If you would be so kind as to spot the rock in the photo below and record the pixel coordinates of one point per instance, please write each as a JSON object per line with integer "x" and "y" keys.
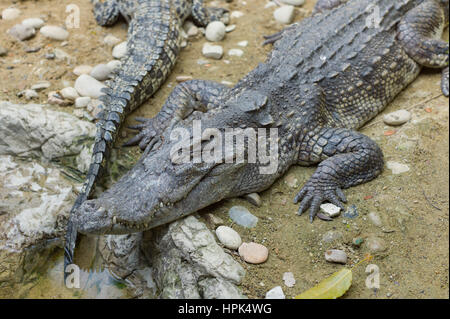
{"x": 95, "y": 107}
{"x": 236, "y": 52}
{"x": 215, "y": 31}
{"x": 88, "y": 86}
{"x": 29, "y": 94}
{"x": 270, "y": 4}
{"x": 397, "y": 168}
{"x": 289, "y": 279}
{"x": 397, "y": 118}
{"x": 213, "y": 220}
{"x": 375, "y": 219}
{"x": 212, "y": 51}
{"x": 330, "y": 209}
{"x": 41, "y": 86}
{"x": 336, "y": 256}
{"x": 188, "y": 263}
{"x": 78, "y": 113}
{"x": 243, "y": 43}
{"x": 191, "y": 29}
{"x": 50, "y": 56}
{"x": 34, "y": 23}
{"x": 375, "y": 244}
{"x": 284, "y": 14}
{"x": 101, "y": 72}
{"x": 32, "y": 49}
{"x": 3, "y": 51}
{"x": 183, "y": 78}
{"x": 296, "y": 3}
{"x": 357, "y": 241}
{"x": 275, "y": 293}
{"x": 241, "y": 216}
{"x": 230, "y": 28}
{"x": 56, "y": 99}
{"x": 69, "y": 93}
{"x": 111, "y": 40}
{"x": 82, "y": 69}
{"x": 62, "y": 55}
{"x": 236, "y": 14}
{"x": 35, "y": 130}
{"x": 254, "y": 199}
{"x": 351, "y": 212}
{"x": 10, "y": 14}
{"x": 114, "y": 65}
{"x": 228, "y": 237}
{"x": 253, "y": 253}
{"x": 21, "y": 32}
{"x": 120, "y": 50}
{"x": 331, "y": 236}
{"x": 82, "y": 101}
{"x": 291, "y": 181}
{"x": 54, "y": 32}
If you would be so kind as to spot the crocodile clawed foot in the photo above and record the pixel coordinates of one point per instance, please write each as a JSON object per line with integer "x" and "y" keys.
{"x": 148, "y": 135}
{"x": 314, "y": 193}
{"x": 219, "y": 14}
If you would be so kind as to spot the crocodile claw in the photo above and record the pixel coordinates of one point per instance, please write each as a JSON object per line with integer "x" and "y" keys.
{"x": 148, "y": 135}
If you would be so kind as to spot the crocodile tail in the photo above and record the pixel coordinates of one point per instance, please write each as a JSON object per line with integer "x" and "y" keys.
{"x": 154, "y": 40}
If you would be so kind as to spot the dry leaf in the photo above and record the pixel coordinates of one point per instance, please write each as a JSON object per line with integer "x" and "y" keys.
{"x": 331, "y": 288}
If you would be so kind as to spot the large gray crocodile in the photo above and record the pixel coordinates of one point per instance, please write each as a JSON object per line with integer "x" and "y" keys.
{"x": 324, "y": 79}
{"x": 154, "y": 38}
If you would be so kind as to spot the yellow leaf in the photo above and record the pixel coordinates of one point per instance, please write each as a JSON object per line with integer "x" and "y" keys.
{"x": 331, "y": 288}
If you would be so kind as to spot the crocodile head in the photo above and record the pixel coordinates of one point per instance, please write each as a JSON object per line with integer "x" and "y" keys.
{"x": 170, "y": 182}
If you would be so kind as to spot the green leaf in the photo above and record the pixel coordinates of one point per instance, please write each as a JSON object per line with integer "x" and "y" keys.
{"x": 331, "y": 288}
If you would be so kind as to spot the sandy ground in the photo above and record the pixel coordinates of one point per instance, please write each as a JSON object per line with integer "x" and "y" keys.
{"x": 413, "y": 206}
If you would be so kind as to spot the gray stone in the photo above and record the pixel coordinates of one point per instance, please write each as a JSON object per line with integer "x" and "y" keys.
{"x": 375, "y": 219}
{"x": 54, "y": 32}
{"x": 29, "y": 94}
{"x": 289, "y": 280}
{"x": 284, "y": 14}
{"x": 69, "y": 93}
{"x": 235, "y": 52}
{"x": 21, "y": 32}
{"x": 330, "y": 209}
{"x": 10, "y": 13}
{"x": 230, "y": 28}
{"x": 120, "y": 50}
{"x": 331, "y": 236}
{"x": 101, "y": 72}
{"x": 397, "y": 168}
{"x": 375, "y": 244}
{"x": 254, "y": 199}
{"x": 215, "y": 31}
{"x": 228, "y": 237}
{"x": 41, "y": 86}
{"x": 88, "y": 86}
{"x": 336, "y": 256}
{"x": 111, "y": 40}
{"x": 114, "y": 65}
{"x": 35, "y": 23}
{"x": 82, "y": 69}
{"x": 275, "y": 293}
{"x": 397, "y": 118}
{"x": 241, "y": 216}
{"x": 82, "y": 101}
{"x": 212, "y": 51}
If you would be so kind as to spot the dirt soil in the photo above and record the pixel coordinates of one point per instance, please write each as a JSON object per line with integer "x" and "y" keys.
{"x": 413, "y": 206}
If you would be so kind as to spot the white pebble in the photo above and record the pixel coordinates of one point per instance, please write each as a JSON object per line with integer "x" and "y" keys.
{"x": 82, "y": 101}
{"x": 10, "y": 14}
{"x": 235, "y": 52}
{"x": 82, "y": 69}
{"x": 111, "y": 40}
{"x": 228, "y": 237}
{"x": 100, "y": 72}
{"x": 35, "y": 23}
{"x": 330, "y": 209}
{"x": 397, "y": 168}
{"x": 54, "y": 32}
{"x": 275, "y": 293}
{"x": 21, "y": 32}
{"x": 270, "y": 4}
{"x": 120, "y": 50}
{"x": 230, "y": 28}
{"x": 242, "y": 43}
{"x": 289, "y": 279}
{"x": 212, "y": 51}
{"x": 86, "y": 85}
{"x": 336, "y": 256}
{"x": 30, "y": 94}
{"x": 284, "y": 14}
{"x": 215, "y": 31}
{"x": 114, "y": 65}
{"x": 236, "y": 14}
{"x": 375, "y": 219}
{"x": 69, "y": 93}
{"x": 397, "y": 118}
{"x": 297, "y": 3}
{"x": 41, "y": 86}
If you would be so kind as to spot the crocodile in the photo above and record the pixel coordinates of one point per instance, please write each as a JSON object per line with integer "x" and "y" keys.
{"x": 324, "y": 79}
{"x": 154, "y": 39}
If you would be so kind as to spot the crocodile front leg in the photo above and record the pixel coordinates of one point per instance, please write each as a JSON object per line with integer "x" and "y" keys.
{"x": 348, "y": 158}
{"x": 106, "y": 12}
{"x": 187, "y": 97}
{"x": 420, "y": 34}
{"x": 202, "y": 16}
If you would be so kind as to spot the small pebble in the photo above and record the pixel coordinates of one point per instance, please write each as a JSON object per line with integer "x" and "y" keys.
{"x": 213, "y": 220}
{"x": 375, "y": 244}
{"x": 230, "y": 28}
{"x": 296, "y": 3}
{"x": 243, "y": 43}
{"x": 190, "y": 29}
{"x": 10, "y": 14}
{"x": 120, "y": 50}
{"x": 54, "y": 32}
{"x": 29, "y": 94}
{"x": 254, "y": 199}
{"x": 351, "y": 212}
{"x": 235, "y": 52}
{"x": 69, "y": 93}
{"x": 183, "y": 78}
{"x": 284, "y": 14}
{"x": 32, "y": 49}
{"x": 215, "y": 31}
{"x": 88, "y": 86}
{"x": 114, "y": 65}
{"x": 253, "y": 253}
{"x": 202, "y": 62}
{"x": 397, "y": 168}
{"x": 228, "y": 237}
{"x": 82, "y": 101}
{"x": 375, "y": 219}
{"x": 270, "y": 4}
{"x": 289, "y": 279}
{"x": 100, "y": 72}
{"x": 227, "y": 83}
{"x": 82, "y": 69}
{"x": 35, "y": 23}
{"x": 291, "y": 181}
{"x": 336, "y": 256}
{"x": 56, "y": 99}
{"x": 41, "y": 86}
{"x": 330, "y": 209}
{"x": 275, "y": 293}
{"x": 397, "y": 118}
{"x": 49, "y": 56}
{"x": 357, "y": 241}
{"x": 95, "y": 107}
{"x": 241, "y": 216}
{"x": 236, "y": 14}
{"x": 212, "y": 51}
{"x": 78, "y": 113}
{"x": 21, "y": 32}
{"x": 111, "y": 40}
{"x": 331, "y": 236}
